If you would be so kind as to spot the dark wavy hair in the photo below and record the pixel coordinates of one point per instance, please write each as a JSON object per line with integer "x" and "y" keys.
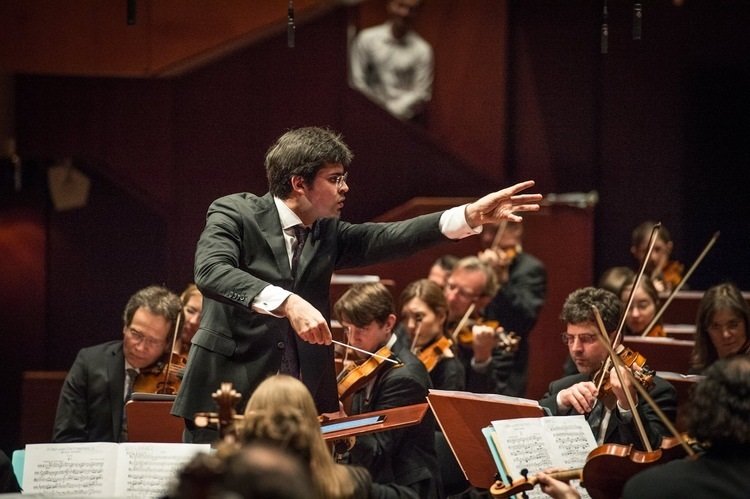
{"x": 720, "y": 410}
{"x": 303, "y": 152}
{"x": 577, "y": 307}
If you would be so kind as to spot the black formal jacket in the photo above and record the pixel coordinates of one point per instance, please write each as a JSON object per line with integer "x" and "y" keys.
{"x": 721, "y": 472}
{"x": 516, "y": 307}
{"x": 92, "y": 397}
{"x": 240, "y": 252}
{"x": 618, "y": 432}
{"x": 405, "y": 457}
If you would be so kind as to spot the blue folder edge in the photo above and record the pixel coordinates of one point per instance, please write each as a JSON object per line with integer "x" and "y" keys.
{"x": 487, "y": 432}
{"x": 17, "y": 460}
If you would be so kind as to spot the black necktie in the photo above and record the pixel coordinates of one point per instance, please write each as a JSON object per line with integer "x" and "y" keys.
{"x": 132, "y": 375}
{"x": 290, "y": 356}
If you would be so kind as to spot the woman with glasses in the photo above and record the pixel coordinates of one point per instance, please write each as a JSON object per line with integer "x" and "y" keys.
{"x": 721, "y": 326}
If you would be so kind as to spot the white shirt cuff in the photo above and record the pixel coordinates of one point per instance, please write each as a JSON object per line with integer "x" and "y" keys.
{"x": 453, "y": 223}
{"x": 269, "y": 299}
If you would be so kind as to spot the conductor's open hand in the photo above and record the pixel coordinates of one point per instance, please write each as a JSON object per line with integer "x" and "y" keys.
{"x": 501, "y": 205}
{"x": 306, "y": 320}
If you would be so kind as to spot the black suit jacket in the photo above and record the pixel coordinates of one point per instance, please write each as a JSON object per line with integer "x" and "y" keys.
{"x": 404, "y": 457}
{"x": 717, "y": 473}
{"x": 516, "y": 307}
{"x": 618, "y": 432}
{"x": 239, "y": 253}
{"x": 92, "y": 397}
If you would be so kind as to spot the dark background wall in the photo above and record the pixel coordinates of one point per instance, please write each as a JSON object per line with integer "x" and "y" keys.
{"x": 659, "y": 127}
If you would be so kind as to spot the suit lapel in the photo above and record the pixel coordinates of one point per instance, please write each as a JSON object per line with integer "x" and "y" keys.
{"x": 116, "y": 382}
{"x": 268, "y": 221}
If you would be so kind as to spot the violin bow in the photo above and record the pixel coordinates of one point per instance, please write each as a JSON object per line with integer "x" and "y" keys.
{"x": 679, "y": 286}
{"x": 371, "y": 354}
{"x": 462, "y": 322}
{"x": 499, "y": 234}
{"x": 631, "y": 298}
{"x": 416, "y": 336}
{"x": 171, "y": 350}
{"x": 617, "y": 363}
{"x": 644, "y": 393}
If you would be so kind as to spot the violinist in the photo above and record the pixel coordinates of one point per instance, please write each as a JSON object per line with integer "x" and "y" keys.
{"x": 423, "y": 315}
{"x": 719, "y": 419}
{"x": 646, "y": 303}
{"x": 578, "y": 393}
{"x": 470, "y": 286}
{"x": 663, "y": 271}
{"x": 721, "y": 326}
{"x": 93, "y": 396}
{"x": 522, "y": 280}
{"x": 404, "y": 459}
{"x": 192, "y": 307}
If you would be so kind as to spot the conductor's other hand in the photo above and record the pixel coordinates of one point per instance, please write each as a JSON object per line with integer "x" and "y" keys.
{"x": 306, "y": 320}
{"x": 501, "y": 205}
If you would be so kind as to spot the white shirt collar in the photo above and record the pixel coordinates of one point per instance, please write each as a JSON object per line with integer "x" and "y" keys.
{"x": 287, "y": 217}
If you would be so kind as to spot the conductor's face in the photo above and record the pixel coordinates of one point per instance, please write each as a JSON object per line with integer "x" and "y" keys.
{"x": 145, "y": 339}
{"x": 327, "y": 192}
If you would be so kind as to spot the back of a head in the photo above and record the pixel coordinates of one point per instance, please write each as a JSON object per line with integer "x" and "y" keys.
{"x": 265, "y": 471}
{"x": 613, "y": 278}
{"x": 720, "y": 410}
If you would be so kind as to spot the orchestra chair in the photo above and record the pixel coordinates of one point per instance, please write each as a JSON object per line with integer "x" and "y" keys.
{"x": 151, "y": 421}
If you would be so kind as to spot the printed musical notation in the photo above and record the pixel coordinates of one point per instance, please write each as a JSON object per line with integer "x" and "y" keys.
{"x": 137, "y": 470}
{"x": 539, "y": 444}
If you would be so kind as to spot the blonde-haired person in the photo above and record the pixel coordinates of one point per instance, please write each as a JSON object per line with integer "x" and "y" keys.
{"x": 282, "y": 396}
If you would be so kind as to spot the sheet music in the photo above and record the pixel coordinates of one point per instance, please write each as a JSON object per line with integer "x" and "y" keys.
{"x": 148, "y": 469}
{"x": 137, "y": 470}
{"x": 539, "y": 444}
{"x": 70, "y": 469}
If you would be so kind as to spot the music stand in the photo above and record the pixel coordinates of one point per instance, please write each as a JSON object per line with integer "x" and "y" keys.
{"x": 149, "y": 419}
{"x": 463, "y": 415}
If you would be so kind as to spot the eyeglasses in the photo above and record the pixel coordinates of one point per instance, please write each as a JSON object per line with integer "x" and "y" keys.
{"x": 585, "y": 338}
{"x": 338, "y": 180}
{"x": 468, "y": 295}
{"x": 139, "y": 337}
{"x": 731, "y": 326}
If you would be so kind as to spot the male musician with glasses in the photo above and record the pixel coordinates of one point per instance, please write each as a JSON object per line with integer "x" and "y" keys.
{"x": 266, "y": 304}
{"x": 92, "y": 401}
{"x": 577, "y": 394}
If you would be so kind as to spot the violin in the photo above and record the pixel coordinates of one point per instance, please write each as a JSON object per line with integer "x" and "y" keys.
{"x": 609, "y": 466}
{"x": 431, "y": 354}
{"x": 605, "y": 472}
{"x": 165, "y": 376}
{"x": 506, "y": 341}
{"x": 501, "y": 491}
{"x": 356, "y": 375}
{"x": 633, "y": 361}
{"x": 672, "y": 274}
